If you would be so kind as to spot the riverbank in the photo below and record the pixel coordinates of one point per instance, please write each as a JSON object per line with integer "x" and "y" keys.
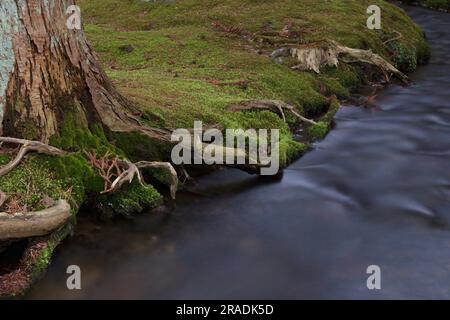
{"x": 374, "y": 191}
{"x": 192, "y": 60}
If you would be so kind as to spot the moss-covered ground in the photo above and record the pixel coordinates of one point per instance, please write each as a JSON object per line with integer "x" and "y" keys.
{"x": 181, "y": 61}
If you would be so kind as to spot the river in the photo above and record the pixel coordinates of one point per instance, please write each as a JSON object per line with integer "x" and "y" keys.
{"x": 376, "y": 191}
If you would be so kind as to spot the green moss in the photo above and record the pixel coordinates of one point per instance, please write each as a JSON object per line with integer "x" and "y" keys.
{"x": 79, "y": 174}
{"x": 319, "y": 130}
{"x": 404, "y": 57}
{"x": 75, "y": 134}
{"x": 138, "y": 147}
{"x": 33, "y": 181}
{"x": 28, "y": 130}
{"x": 166, "y": 57}
{"x": 178, "y": 57}
{"x": 37, "y": 258}
{"x": 133, "y": 198}
{"x": 290, "y": 150}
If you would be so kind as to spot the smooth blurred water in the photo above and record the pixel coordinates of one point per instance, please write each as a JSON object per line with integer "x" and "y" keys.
{"x": 375, "y": 191}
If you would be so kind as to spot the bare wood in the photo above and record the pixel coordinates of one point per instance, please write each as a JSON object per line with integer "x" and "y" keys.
{"x": 127, "y": 175}
{"x": 33, "y": 224}
{"x": 168, "y": 168}
{"x": 313, "y": 57}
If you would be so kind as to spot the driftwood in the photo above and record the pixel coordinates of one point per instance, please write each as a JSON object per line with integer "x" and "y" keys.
{"x": 313, "y": 57}
{"x": 32, "y": 224}
{"x": 275, "y": 106}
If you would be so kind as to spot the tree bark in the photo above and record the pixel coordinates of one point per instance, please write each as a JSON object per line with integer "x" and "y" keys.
{"x": 47, "y": 69}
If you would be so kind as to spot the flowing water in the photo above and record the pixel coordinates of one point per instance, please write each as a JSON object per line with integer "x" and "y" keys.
{"x": 376, "y": 191}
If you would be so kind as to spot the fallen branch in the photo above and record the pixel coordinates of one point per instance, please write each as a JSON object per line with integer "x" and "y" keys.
{"x": 275, "y": 106}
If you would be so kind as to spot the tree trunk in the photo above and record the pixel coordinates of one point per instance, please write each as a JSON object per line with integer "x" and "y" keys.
{"x": 47, "y": 68}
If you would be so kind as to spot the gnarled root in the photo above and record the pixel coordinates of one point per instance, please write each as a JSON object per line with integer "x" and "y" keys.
{"x": 275, "y": 106}
{"x": 127, "y": 175}
{"x": 168, "y": 168}
{"x": 27, "y": 146}
{"x": 313, "y": 57}
{"x": 33, "y": 224}
{"x": 30, "y": 224}
{"x": 129, "y": 171}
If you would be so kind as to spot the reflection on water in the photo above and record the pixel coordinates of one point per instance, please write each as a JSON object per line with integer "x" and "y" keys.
{"x": 375, "y": 191}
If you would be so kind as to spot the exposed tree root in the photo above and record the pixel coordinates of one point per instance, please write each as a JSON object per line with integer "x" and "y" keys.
{"x": 314, "y": 57}
{"x": 33, "y": 224}
{"x": 27, "y": 146}
{"x": 130, "y": 171}
{"x": 276, "y": 106}
{"x": 168, "y": 168}
{"x": 30, "y": 224}
{"x": 116, "y": 172}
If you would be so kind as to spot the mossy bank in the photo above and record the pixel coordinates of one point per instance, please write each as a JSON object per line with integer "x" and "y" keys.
{"x": 182, "y": 61}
